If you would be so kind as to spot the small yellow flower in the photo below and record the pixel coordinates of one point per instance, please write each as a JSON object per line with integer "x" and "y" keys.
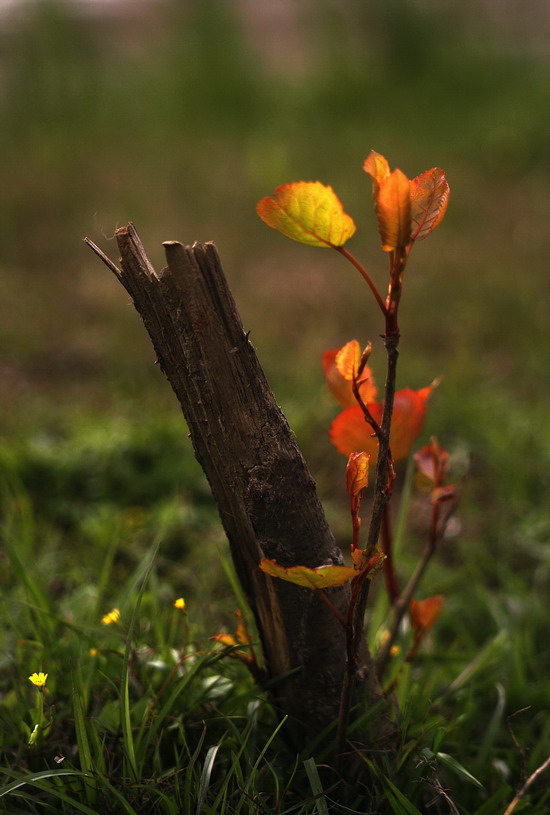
{"x": 180, "y": 603}
{"x": 93, "y": 652}
{"x": 38, "y": 679}
{"x": 112, "y": 617}
{"x": 382, "y": 640}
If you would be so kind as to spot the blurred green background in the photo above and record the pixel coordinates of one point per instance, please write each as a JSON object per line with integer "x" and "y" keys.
{"x": 179, "y": 116}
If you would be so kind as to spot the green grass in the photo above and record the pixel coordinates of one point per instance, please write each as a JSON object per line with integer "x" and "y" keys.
{"x": 158, "y": 719}
{"x": 181, "y": 127}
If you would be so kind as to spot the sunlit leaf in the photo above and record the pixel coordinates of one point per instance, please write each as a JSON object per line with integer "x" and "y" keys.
{"x": 370, "y": 563}
{"x": 229, "y": 641}
{"x": 341, "y": 388}
{"x": 350, "y": 432}
{"x": 393, "y": 210}
{"x": 357, "y": 473}
{"x": 242, "y": 631}
{"x": 308, "y": 212}
{"x": 225, "y": 639}
{"x": 320, "y": 578}
{"x": 429, "y": 200}
{"x": 376, "y": 166}
{"x": 424, "y": 613}
{"x": 347, "y": 360}
{"x": 392, "y": 202}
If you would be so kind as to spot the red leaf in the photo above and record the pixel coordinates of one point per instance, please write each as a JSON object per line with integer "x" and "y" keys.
{"x": 350, "y": 432}
{"x": 429, "y": 200}
{"x": 432, "y": 461}
{"x": 424, "y": 613}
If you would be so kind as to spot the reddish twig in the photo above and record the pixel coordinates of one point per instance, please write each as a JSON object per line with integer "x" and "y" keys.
{"x": 392, "y": 584}
{"x": 365, "y": 275}
{"x": 532, "y": 778}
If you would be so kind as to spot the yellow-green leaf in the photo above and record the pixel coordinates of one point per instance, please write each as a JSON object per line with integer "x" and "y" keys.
{"x": 320, "y": 578}
{"x": 308, "y": 212}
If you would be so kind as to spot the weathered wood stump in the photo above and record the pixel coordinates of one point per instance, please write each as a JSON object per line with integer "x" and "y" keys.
{"x": 265, "y": 495}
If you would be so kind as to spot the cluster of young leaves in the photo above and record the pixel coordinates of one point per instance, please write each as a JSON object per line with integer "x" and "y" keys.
{"x": 349, "y": 431}
{"x": 406, "y": 211}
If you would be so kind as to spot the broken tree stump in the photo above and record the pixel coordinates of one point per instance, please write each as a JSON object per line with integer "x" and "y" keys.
{"x": 265, "y": 495}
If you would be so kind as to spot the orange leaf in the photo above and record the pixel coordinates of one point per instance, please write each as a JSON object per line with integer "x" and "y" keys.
{"x": 424, "y": 613}
{"x": 225, "y": 639}
{"x": 308, "y": 212}
{"x": 350, "y": 432}
{"x": 429, "y": 200}
{"x": 340, "y": 387}
{"x": 377, "y": 167}
{"x": 357, "y": 473}
{"x": 242, "y": 656}
{"x": 242, "y": 631}
{"x": 347, "y": 360}
{"x": 320, "y": 578}
{"x": 364, "y": 563}
{"x": 392, "y": 202}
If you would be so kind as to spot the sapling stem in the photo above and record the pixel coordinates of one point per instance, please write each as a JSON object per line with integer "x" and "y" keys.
{"x": 436, "y": 531}
{"x": 332, "y": 607}
{"x": 382, "y": 494}
{"x": 392, "y": 584}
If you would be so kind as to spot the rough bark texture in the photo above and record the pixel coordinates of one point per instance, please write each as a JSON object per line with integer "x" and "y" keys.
{"x": 265, "y": 495}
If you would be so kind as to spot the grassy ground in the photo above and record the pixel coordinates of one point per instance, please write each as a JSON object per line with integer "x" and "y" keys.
{"x": 181, "y": 125}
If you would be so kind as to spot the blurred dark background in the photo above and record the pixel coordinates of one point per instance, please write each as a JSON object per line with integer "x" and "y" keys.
{"x": 179, "y": 116}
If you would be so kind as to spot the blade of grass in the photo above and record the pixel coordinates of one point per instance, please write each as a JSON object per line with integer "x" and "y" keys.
{"x": 492, "y": 650}
{"x": 86, "y": 761}
{"x": 128, "y": 809}
{"x": 398, "y": 802}
{"x": 37, "y": 779}
{"x": 189, "y": 775}
{"x": 491, "y": 732}
{"x": 253, "y": 772}
{"x": 125, "y": 712}
{"x": 38, "y": 601}
{"x": 316, "y": 786}
{"x": 205, "y": 776}
{"x": 235, "y": 768}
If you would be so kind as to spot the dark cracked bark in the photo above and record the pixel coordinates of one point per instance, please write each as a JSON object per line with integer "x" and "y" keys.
{"x": 265, "y": 495}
